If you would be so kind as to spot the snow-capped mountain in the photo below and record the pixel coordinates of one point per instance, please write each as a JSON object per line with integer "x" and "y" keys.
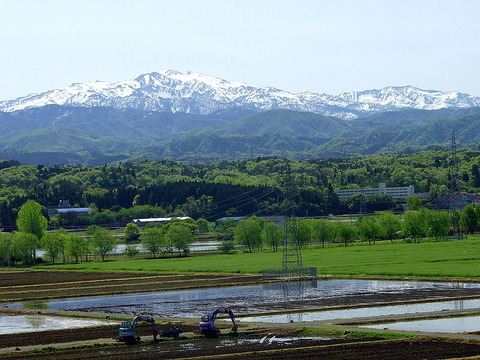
{"x": 173, "y": 91}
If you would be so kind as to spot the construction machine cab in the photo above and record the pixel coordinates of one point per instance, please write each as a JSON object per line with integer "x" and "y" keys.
{"x": 126, "y": 331}
{"x": 207, "y": 323}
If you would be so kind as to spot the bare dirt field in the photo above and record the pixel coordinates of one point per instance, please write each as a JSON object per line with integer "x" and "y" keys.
{"x": 40, "y": 285}
{"x": 251, "y": 347}
{"x": 254, "y": 342}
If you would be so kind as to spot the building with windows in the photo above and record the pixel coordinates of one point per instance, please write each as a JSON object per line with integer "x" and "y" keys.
{"x": 64, "y": 207}
{"x": 382, "y": 189}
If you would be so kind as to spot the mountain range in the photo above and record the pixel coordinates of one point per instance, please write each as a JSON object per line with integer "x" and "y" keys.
{"x": 176, "y": 92}
{"x": 196, "y": 118}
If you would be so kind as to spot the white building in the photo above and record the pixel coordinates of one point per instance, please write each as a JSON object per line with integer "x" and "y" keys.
{"x": 143, "y": 222}
{"x": 395, "y": 192}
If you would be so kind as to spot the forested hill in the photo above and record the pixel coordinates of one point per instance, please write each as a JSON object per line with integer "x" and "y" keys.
{"x": 264, "y": 186}
{"x": 54, "y": 135}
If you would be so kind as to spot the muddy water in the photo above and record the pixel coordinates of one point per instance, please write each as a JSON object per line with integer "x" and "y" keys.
{"x": 10, "y": 324}
{"x": 365, "y": 312}
{"x": 447, "y": 325}
{"x": 260, "y": 298}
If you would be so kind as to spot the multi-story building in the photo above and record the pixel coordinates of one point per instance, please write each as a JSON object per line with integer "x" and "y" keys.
{"x": 395, "y": 192}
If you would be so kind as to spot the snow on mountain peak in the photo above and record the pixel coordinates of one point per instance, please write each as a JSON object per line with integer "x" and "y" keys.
{"x": 174, "y": 91}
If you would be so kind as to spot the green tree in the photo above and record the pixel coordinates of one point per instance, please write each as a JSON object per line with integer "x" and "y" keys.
{"x": 64, "y": 233}
{"x": 272, "y": 235}
{"x": 345, "y": 232}
{"x": 469, "y": 218}
{"x": 303, "y": 232}
{"x": 438, "y": 223}
{"x": 368, "y": 228}
{"x": 92, "y": 229}
{"x": 30, "y": 220}
{"x": 414, "y": 202}
{"x": 198, "y": 207}
{"x": 76, "y": 246}
{"x": 152, "y": 240}
{"x": 132, "y": 233}
{"x": 131, "y": 251}
{"x": 179, "y": 237}
{"x": 226, "y": 228}
{"x": 476, "y": 176}
{"x": 226, "y": 247}
{"x": 23, "y": 246}
{"x": 53, "y": 244}
{"x": 203, "y": 225}
{"x": 322, "y": 231}
{"x": 389, "y": 225}
{"x": 414, "y": 224}
{"x": 103, "y": 242}
{"x": 5, "y": 249}
{"x": 248, "y": 233}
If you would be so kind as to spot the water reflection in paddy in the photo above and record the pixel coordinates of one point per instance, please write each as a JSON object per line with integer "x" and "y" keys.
{"x": 256, "y": 298}
{"x": 10, "y": 324}
{"x": 447, "y": 325}
{"x": 366, "y": 312}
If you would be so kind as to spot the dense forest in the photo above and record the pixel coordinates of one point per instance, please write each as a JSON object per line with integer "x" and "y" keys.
{"x": 264, "y": 186}
{"x": 53, "y": 134}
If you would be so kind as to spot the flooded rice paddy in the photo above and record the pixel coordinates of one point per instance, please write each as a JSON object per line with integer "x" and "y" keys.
{"x": 26, "y": 323}
{"x": 446, "y": 325}
{"x": 272, "y": 297}
{"x": 404, "y": 309}
{"x": 294, "y": 297}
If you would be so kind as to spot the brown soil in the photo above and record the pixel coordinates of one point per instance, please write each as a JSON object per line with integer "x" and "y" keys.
{"x": 35, "y": 277}
{"x": 80, "y": 334}
{"x": 233, "y": 349}
{"x": 37, "y": 285}
{"x": 57, "y": 336}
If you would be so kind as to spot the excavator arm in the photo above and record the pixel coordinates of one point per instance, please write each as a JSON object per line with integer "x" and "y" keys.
{"x": 232, "y": 317}
{"x": 207, "y": 324}
{"x": 127, "y": 329}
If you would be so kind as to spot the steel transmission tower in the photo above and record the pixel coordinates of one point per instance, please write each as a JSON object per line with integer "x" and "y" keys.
{"x": 292, "y": 265}
{"x": 454, "y": 173}
{"x": 454, "y": 165}
{"x": 454, "y": 185}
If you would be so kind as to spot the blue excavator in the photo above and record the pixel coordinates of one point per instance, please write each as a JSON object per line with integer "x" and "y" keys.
{"x": 126, "y": 331}
{"x": 207, "y": 323}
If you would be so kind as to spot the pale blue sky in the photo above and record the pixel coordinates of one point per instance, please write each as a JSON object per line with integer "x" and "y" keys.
{"x": 296, "y": 45}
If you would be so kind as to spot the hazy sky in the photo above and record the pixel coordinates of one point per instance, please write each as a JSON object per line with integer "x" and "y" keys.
{"x": 296, "y": 45}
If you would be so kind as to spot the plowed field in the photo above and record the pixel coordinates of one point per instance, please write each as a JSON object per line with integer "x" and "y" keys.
{"x": 38, "y": 285}
{"x": 278, "y": 343}
{"x": 252, "y": 350}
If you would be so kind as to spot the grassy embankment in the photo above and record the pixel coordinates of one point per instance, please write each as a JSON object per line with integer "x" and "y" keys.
{"x": 456, "y": 259}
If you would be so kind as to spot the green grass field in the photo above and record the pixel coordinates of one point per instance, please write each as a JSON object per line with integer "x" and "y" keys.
{"x": 454, "y": 259}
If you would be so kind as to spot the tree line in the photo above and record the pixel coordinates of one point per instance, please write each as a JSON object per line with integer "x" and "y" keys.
{"x": 250, "y": 234}
{"x": 22, "y": 245}
{"x": 264, "y": 186}
{"x": 255, "y": 234}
